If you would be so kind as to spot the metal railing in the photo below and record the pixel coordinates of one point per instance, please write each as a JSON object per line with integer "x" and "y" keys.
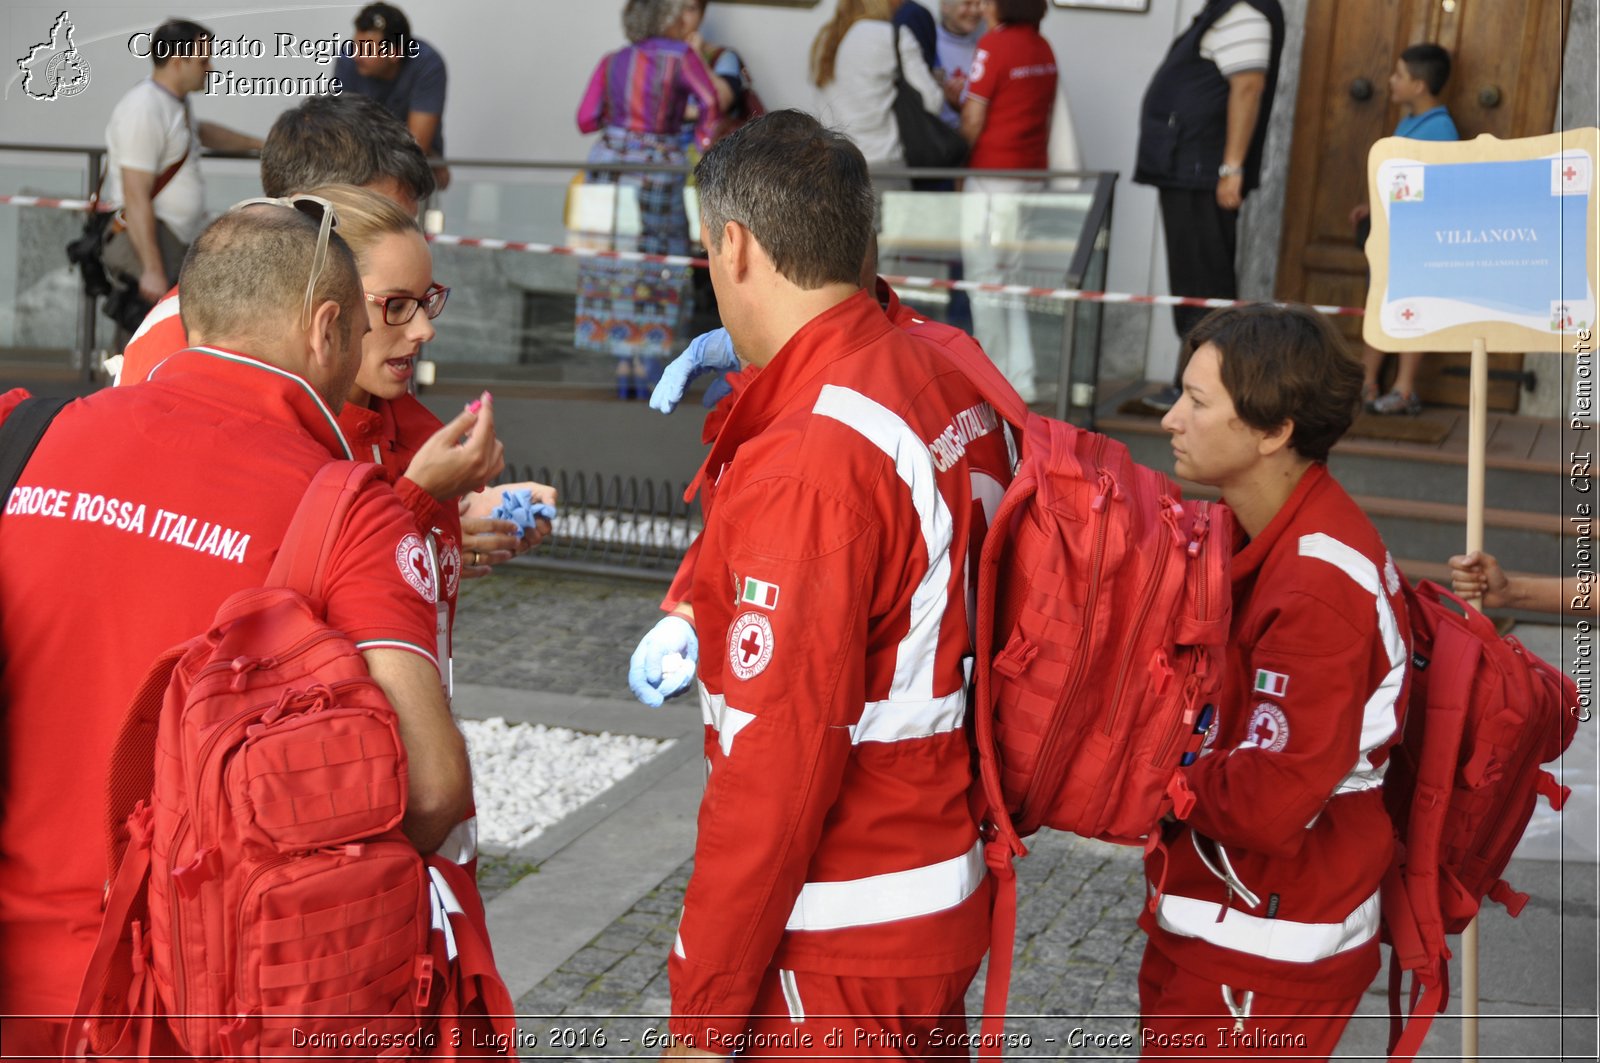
{"x": 612, "y": 524}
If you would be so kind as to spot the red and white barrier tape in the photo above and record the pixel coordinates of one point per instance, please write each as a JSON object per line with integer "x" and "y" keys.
{"x": 938, "y": 283}
{"x": 1062, "y": 294}
{"x": 48, "y": 201}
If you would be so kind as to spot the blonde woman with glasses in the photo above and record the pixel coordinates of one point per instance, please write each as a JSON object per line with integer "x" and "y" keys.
{"x": 438, "y": 479}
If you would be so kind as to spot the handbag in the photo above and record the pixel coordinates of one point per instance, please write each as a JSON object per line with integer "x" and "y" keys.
{"x": 926, "y": 140}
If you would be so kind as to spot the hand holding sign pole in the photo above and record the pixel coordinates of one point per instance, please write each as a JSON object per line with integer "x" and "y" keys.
{"x": 1482, "y": 245}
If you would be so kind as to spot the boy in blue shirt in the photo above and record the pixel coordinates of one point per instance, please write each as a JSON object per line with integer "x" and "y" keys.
{"x": 1419, "y": 77}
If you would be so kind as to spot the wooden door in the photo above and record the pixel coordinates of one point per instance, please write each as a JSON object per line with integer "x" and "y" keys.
{"x": 1505, "y": 80}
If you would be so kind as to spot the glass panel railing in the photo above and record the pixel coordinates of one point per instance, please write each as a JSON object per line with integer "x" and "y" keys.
{"x": 511, "y": 316}
{"x": 39, "y": 291}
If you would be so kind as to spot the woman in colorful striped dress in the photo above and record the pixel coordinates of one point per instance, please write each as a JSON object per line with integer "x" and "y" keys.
{"x": 637, "y": 99}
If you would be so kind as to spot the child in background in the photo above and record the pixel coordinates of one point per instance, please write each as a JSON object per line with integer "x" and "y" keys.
{"x": 1419, "y": 77}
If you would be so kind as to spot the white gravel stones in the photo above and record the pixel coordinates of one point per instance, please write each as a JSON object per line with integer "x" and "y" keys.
{"x": 526, "y": 777}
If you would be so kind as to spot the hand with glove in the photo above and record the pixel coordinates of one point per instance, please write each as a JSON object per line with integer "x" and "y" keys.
{"x": 663, "y": 665}
{"x": 709, "y": 352}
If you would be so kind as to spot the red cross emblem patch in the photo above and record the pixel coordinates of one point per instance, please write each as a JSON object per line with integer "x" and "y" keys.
{"x": 411, "y": 557}
{"x": 1269, "y": 728}
{"x": 749, "y": 644}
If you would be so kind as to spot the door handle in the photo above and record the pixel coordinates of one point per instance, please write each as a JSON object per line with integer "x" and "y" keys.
{"x": 1361, "y": 90}
{"x": 1489, "y": 97}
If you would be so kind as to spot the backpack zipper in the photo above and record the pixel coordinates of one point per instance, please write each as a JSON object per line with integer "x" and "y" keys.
{"x": 1047, "y": 749}
{"x": 1170, "y": 519}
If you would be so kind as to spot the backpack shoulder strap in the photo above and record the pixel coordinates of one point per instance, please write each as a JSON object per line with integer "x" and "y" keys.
{"x": 990, "y": 382}
{"x": 21, "y": 434}
{"x": 308, "y": 544}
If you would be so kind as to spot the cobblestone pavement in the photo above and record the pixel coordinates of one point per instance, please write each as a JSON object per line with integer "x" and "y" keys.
{"x": 1078, "y": 947}
{"x": 537, "y": 629}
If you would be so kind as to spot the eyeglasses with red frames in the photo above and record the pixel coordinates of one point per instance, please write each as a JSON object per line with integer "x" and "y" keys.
{"x": 399, "y": 309}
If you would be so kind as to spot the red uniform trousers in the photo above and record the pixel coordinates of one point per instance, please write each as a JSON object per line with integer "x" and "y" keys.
{"x": 1186, "y": 1016}
{"x": 798, "y": 1013}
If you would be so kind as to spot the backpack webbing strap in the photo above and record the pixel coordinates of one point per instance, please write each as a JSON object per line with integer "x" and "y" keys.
{"x": 992, "y": 384}
{"x": 118, "y": 981}
{"x": 21, "y": 434}
{"x": 1002, "y": 944}
{"x": 308, "y": 544}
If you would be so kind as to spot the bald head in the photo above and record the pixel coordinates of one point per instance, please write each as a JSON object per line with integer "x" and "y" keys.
{"x": 244, "y": 283}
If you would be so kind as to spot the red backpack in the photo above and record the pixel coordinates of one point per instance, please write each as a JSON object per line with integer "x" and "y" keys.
{"x": 1483, "y": 714}
{"x": 1103, "y": 613}
{"x": 264, "y": 898}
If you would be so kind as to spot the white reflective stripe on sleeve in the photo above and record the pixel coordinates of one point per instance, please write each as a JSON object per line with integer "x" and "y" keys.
{"x": 723, "y": 718}
{"x": 913, "y": 462}
{"x": 897, "y": 721}
{"x": 888, "y": 897}
{"x": 677, "y": 937}
{"x": 1272, "y": 939}
{"x": 791, "y": 996}
{"x": 443, "y": 903}
{"x": 1380, "y": 715}
{"x": 399, "y": 644}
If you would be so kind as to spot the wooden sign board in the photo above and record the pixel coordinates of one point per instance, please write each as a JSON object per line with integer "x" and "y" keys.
{"x": 1487, "y": 239}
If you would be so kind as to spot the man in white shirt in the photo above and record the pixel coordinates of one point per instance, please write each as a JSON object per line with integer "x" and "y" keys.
{"x": 153, "y": 161}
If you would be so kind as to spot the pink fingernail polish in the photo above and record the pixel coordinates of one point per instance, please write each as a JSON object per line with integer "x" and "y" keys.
{"x": 475, "y": 405}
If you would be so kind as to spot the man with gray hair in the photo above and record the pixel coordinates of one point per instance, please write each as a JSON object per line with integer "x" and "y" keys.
{"x": 839, "y": 879}
{"x": 166, "y": 499}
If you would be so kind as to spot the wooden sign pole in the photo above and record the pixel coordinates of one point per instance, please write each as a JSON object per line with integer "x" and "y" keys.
{"x": 1477, "y": 463}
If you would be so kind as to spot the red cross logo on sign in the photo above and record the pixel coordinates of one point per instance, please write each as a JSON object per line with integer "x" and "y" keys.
{"x": 1269, "y": 728}
{"x": 749, "y": 644}
{"x": 1570, "y": 172}
{"x": 1408, "y": 313}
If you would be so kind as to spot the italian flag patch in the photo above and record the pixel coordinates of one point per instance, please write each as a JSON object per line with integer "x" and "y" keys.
{"x": 1273, "y": 684}
{"x": 760, "y": 594}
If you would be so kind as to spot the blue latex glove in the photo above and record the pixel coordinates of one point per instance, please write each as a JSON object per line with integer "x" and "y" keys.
{"x": 652, "y": 678}
{"x": 707, "y": 353}
{"x": 520, "y": 508}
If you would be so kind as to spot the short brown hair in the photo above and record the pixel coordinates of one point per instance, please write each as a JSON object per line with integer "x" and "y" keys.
{"x": 245, "y": 275}
{"x": 800, "y": 188}
{"x": 1285, "y": 363}
{"x": 1020, "y": 12}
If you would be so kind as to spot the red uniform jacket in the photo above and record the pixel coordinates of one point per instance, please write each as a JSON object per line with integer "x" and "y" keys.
{"x": 844, "y": 497}
{"x": 142, "y": 509}
{"x": 1272, "y": 883}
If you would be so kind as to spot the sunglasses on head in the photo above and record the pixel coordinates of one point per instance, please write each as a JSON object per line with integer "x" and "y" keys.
{"x": 318, "y": 210}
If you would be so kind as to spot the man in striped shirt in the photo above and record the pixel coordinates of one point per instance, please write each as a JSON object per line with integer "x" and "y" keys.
{"x": 839, "y": 878}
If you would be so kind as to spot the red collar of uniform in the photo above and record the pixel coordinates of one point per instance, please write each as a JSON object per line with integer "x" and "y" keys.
{"x": 365, "y": 425}
{"x": 1248, "y": 560}
{"x": 837, "y": 331}
{"x": 265, "y": 390}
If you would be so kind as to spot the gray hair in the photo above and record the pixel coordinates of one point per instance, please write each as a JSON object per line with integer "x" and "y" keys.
{"x": 245, "y": 275}
{"x": 800, "y": 188}
{"x": 642, "y": 19}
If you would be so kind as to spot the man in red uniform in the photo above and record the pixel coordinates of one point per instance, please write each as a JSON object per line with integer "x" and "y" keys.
{"x": 1265, "y": 931}
{"x": 141, "y": 510}
{"x": 839, "y": 880}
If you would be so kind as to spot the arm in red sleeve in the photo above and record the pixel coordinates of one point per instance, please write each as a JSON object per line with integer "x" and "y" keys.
{"x": 11, "y": 400}
{"x": 1262, "y": 799}
{"x": 426, "y": 511}
{"x": 781, "y": 743}
{"x": 683, "y": 579}
{"x": 591, "y": 108}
